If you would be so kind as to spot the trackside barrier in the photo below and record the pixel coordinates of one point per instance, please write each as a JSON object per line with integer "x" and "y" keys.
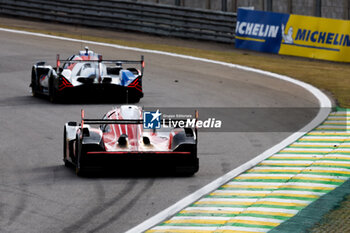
{"x": 297, "y": 35}
{"x": 126, "y": 15}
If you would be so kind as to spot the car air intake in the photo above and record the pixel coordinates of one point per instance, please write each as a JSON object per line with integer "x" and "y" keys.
{"x": 122, "y": 140}
{"x": 107, "y": 80}
{"x": 85, "y": 80}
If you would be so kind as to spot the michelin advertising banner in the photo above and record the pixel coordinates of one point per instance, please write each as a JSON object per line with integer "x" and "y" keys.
{"x": 306, "y": 36}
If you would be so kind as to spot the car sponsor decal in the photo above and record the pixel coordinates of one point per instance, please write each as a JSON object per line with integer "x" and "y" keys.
{"x": 296, "y": 35}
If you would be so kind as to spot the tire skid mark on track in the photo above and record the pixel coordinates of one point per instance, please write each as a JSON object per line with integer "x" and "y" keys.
{"x": 101, "y": 194}
{"x": 2, "y": 207}
{"x": 23, "y": 192}
{"x": 18, "y": 191}
{"x": 21, "y": 205}
{"x": 125, "y": 208}
{"x": 55, "y": 172}
{"x": 86, "y": 218}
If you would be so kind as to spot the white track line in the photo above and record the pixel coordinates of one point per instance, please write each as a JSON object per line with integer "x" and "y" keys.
{"x": 325, "y": 109}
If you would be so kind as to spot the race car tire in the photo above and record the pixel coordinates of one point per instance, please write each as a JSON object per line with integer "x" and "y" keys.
{"x": 33, "y": 91}
{"x": 185, "y": 171}
{"x": 66, "y": 162}
{"x": 33, "y": 83}
{"x": 53, "y": 95}
{"x": 78, "y": 169}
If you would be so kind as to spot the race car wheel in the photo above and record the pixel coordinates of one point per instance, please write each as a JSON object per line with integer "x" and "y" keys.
{"x": 66, "y": 162}
{"x": 185, "y": 171}
{"x": 33, "y": 91}
{"x": 33, "y": 83}
{"x": 78, "y": 171}
{"x": 78, "y": 168}
{"x": 53, "y": 96}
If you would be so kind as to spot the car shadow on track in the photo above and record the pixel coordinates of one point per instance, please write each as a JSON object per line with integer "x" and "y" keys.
{"x": 130, "y": 172}
{"x": 43, "y": 100}
{"x": 90, "y": 99}
{"x": 22, "y": 100}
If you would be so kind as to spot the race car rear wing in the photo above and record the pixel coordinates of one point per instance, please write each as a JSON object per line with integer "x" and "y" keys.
{"x": 123, "y": 121}
{"x": 128, "y": 121}
{"x": 100, "y": 60}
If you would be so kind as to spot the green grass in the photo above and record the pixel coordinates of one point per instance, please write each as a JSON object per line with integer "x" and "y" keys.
{"x": 336, "y": 220}
{"x": 328, "y": 76}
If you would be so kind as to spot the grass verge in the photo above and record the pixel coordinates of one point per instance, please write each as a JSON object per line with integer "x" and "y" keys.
{"x": 337, "y": 220}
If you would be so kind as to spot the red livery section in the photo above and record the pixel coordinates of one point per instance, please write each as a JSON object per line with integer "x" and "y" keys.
{"x": 64, "y": 83}
{"x": 136, "y": 84}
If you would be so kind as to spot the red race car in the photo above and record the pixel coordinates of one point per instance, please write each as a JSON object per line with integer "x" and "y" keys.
{"x": 123, "y": 143}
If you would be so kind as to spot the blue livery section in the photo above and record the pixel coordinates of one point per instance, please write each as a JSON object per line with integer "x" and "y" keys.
{"x": 126, "y": 77}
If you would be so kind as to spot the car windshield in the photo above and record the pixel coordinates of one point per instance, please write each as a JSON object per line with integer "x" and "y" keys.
{"x": 85, "y": 69}
{"x": 88, "y": 69}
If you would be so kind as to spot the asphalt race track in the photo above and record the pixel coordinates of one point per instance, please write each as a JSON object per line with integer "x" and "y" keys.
{"x": 38, "y": 194}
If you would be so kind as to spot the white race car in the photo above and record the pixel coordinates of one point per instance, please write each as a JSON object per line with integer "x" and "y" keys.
{"x": 87, "y": 75}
